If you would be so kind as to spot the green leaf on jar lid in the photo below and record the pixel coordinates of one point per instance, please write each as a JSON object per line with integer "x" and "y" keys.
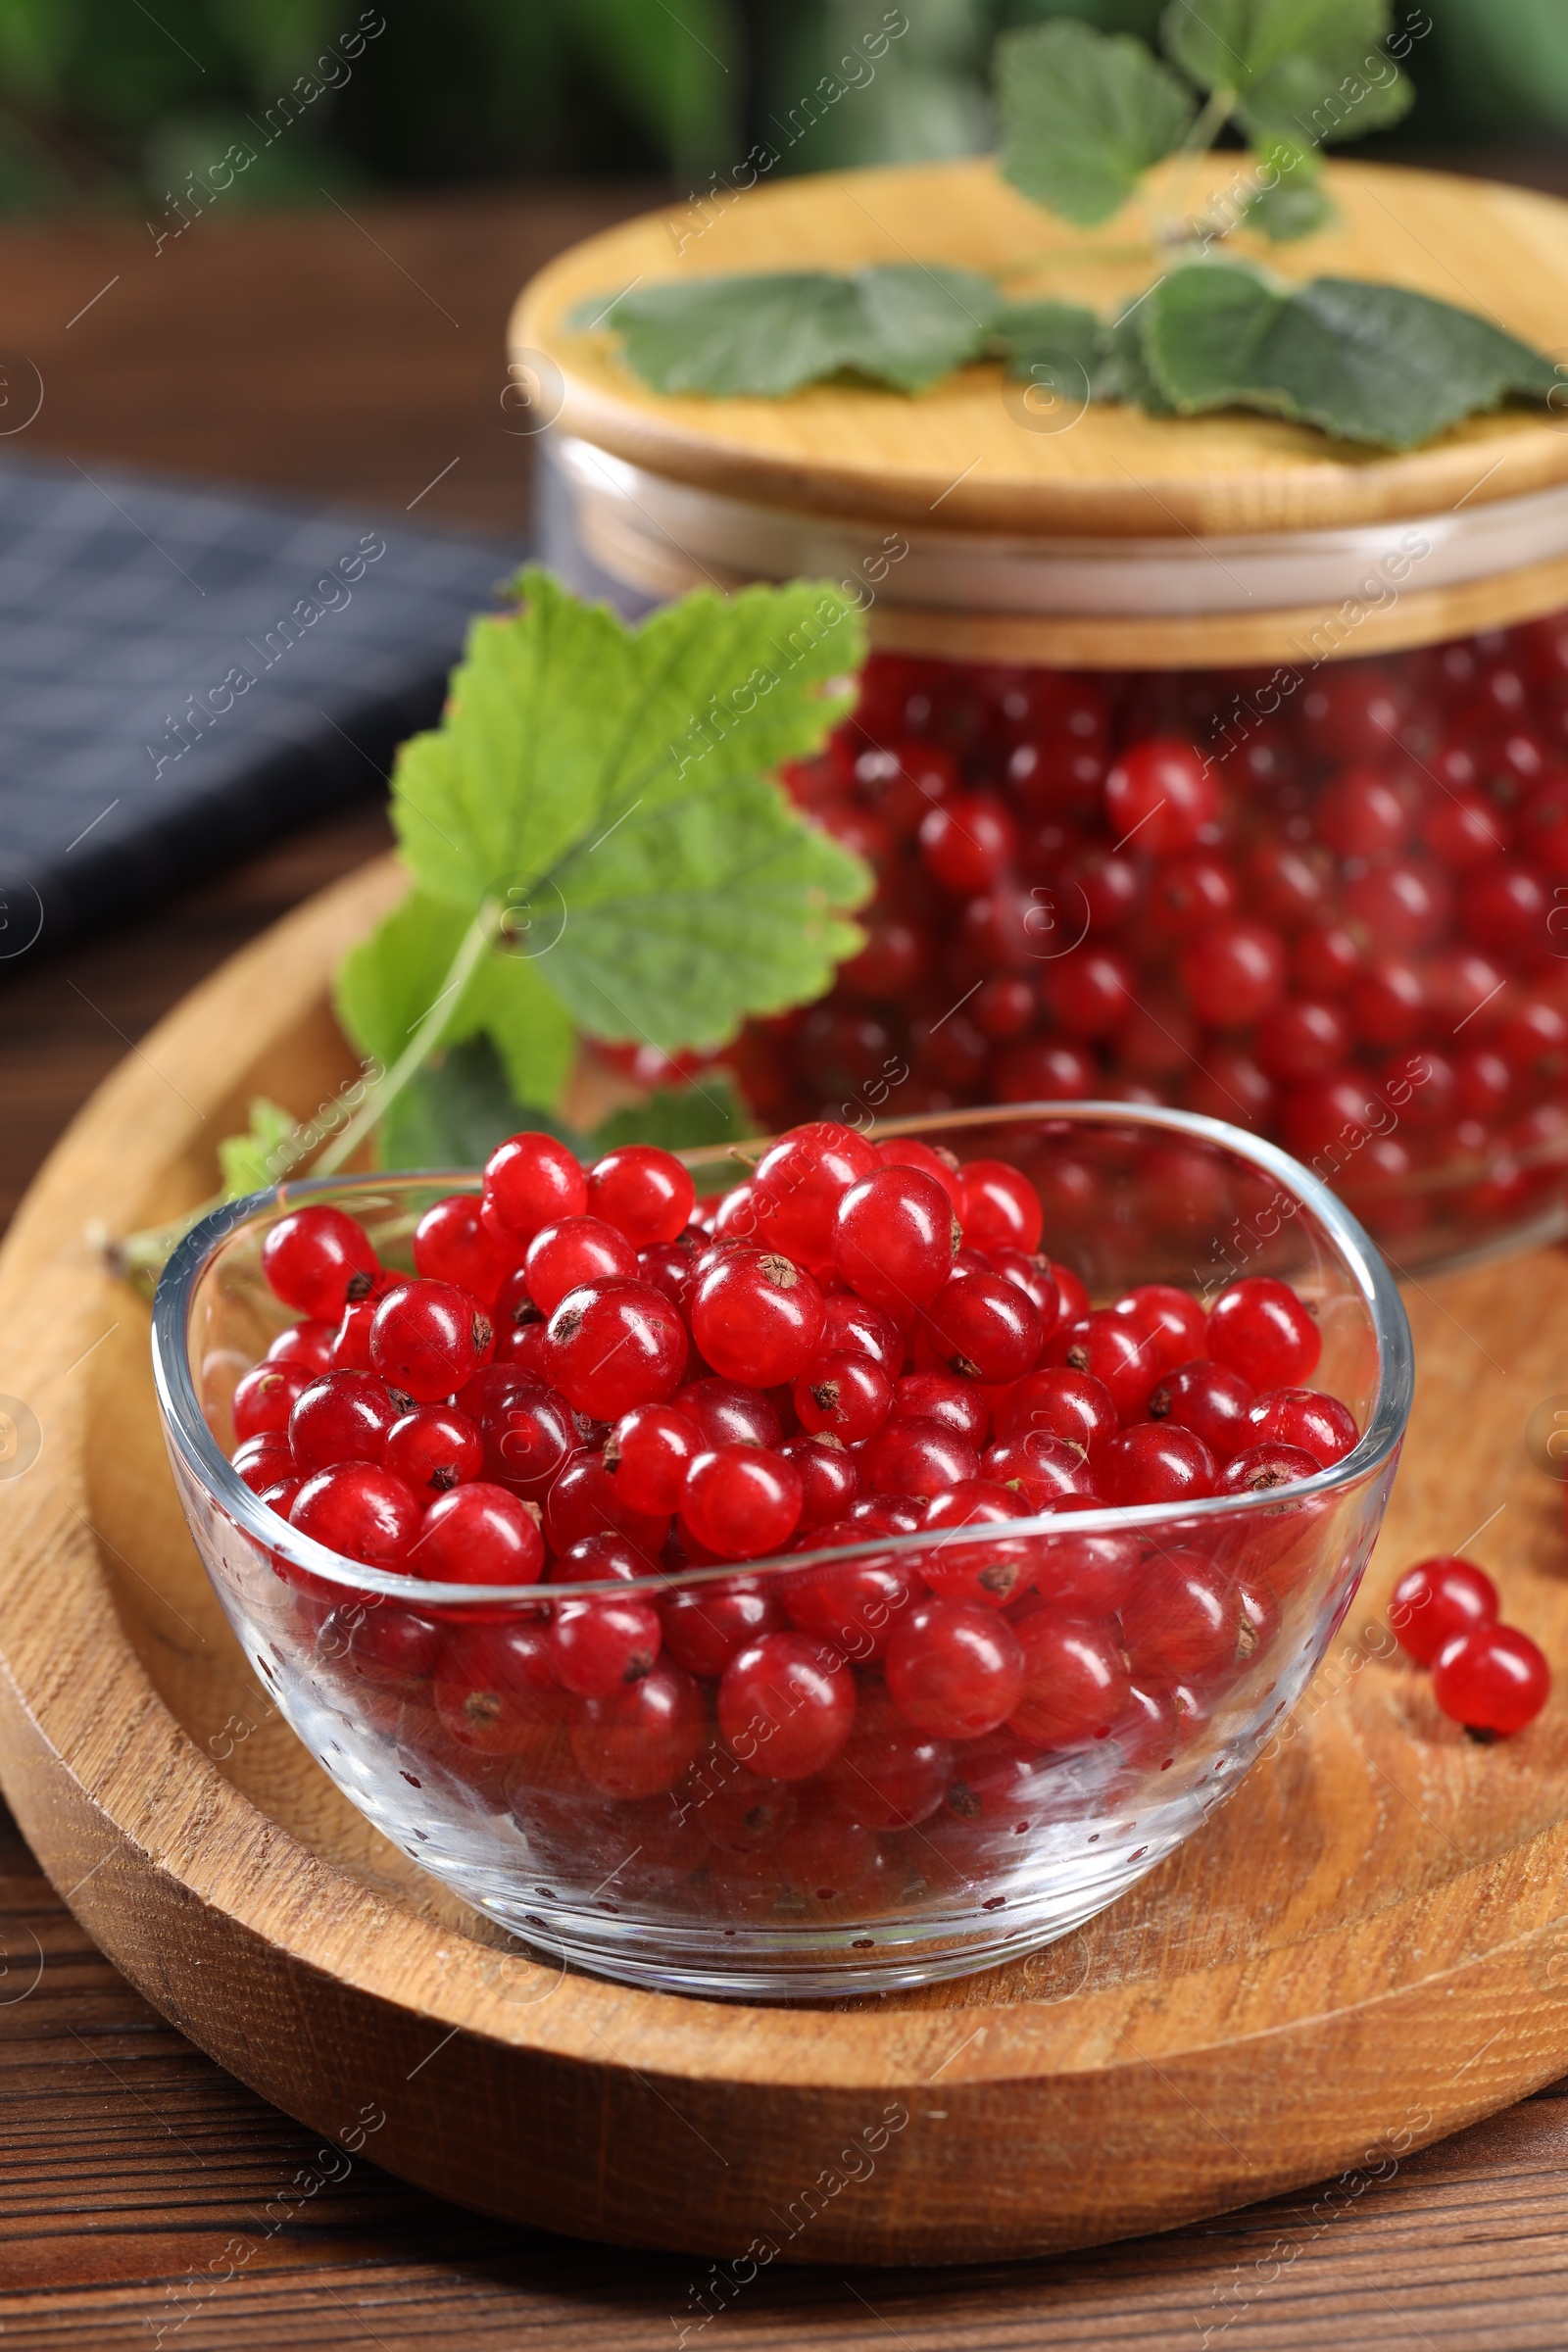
{"x": 1084, "y": 115}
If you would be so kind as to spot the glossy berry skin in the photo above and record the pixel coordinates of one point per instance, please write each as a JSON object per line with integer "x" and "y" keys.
{"x": 1086, "y": 1576}
{"x": 729, "y": 1413}
{"x": 532, "y": 1181}
{"x": 1318, "y": 1425}
{"x": 1259, "y": 1328}
{"x": 433, "y": 1449}
{"x": 647, "y": 1455}
{"x": 263, "y": 1461}
{"x": 1163, "y": 793}
{"x": 855, "y": 1606}
{"x": 307, "y": 1346}
{"x": 1156, "y": 1462}
{"x": 967, "y": 841}
{"x": 786, "y": 1706}
{"x": 383, "y": 1643}
{"x": 955, "y": 1670}
{"x": 611, "y": 1346}
{"x": 1061, "y": 1402}
{"x": 316, "y": 1259}
{"x": 1175, "y": 1323}
{"x": 529, "y": 1433}
{"x": 853, "y": 1324}
{"x": 1033, "y": 1276}
{"x": 266, "y": 1397}
{"x": 705, "y": 1625}
{"x": 644, "y": 1193}
{"x": 639, "y": 1739}
{"x": 1182, "y": 1621}
{"x": 917, "y": 1458}
{"x": 984, "y": 1327}
{"x": 1211, "y": 1402}
{"x": 428, "y": 1340}
{"x": 1232, "y": 972}
{"x": 1493, "y": 1681}
{"x": 582, "y": 1500}
{"x": 478, "y": 1535}
{"x": 988, "y": 1573}
{"x": 741, "y": 1502}
{"x": 359, "y": 1511}
{"x": 1439, "y": 1600}
{"x": 932, "y": 1160}
{"x": 494, "y": 1689}
{"x": 797, "y": 1188}
{"x": 892, "y": 1774}
{"x": 1044, "y": 1472}
{"x": 343, "y": 1417}
{"x": 1075, "y": 1681}
{"x": 894, "y": 1236}
{"x": 846, "y": 1396}
{"x": 757, "y": 1316}
{"x": 942, "y": 1396}
{"x": 597, "y": 1647}
{"x": 1113, "y": 1350}
{"x": 829, "y": 1474}
{"x": 999, "y": 1207}
{"x": 1258, "y": 1468}
{"x": 576, "y": 1250}
{"x": 452, "y": 1244}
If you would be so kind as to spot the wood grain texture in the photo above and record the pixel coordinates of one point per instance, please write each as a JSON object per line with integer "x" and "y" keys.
{"x": 862, "y": 451}
{"x": 1369, "y": 1941}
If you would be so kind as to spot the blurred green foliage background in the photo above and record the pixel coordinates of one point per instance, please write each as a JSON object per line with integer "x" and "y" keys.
{"x": 115, "y": 102}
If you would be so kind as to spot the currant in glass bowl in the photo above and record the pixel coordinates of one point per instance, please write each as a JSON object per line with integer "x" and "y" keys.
{"x": 798, "y": 1585}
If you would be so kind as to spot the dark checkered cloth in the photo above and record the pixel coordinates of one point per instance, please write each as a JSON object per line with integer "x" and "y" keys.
{"x": 184, "y": 673}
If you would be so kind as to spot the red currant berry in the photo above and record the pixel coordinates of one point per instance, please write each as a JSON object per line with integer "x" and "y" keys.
{"x": 434, "y": 1447}
{"x": 707, "y": 1625}
{"x": 917, "y": 1458}
{"x": 1302, "y": 1038}
{"x": 1182, "y": 1621}
{"x": 786, "y": 1706}
{"x": 359, "y": 1511}
{"x": 1175, "y": 1323}
{"x": 647, "y": 1455}
{"x": 984, "y": 1327}
{"x": 351, "y": 1342}
{"x": 1063, "y": 1403}
{"x": 955, "y": 1670}
{"x": 847, "y": 1396}
{"x": 852, "y": 1327}
{"x": 1156, "y": 1461}
{"x": 1437, "y": 1600}
{"x": 343, "y": 1417}
{"x": 429, "y": 1338}
{"x": 1360, "y": 815}
{"x": 266, "y": 1398}
{"x": 528, "y": 1432}
{"x": 494, "y": 1690}
{"x": 1258, "y": 1468}
{"x": 1233, "y": 972}
{"x": 1211, "y": 1403}
{"x": 968, "y": 842}
{"x": 942, "y": 1396}
{"x": 1318, "y": 1425}
{"x": 478, "y": 1535}
{"x": 1086, "y": 1576}
{"x": 1033, "y": 1276}
{"x": 999, "y": 1207}
{"x": 1493, "y": 1681}
{"x": 741, "y": 1502}
{"x": 452, "y": 1244}
{"x": 1164, "y": 791}
{"x": 890, "y": 1775}
{"x": 1112, "y": 1350}
{"x": 644, "y": 1193}
{"x": 1187, "y": 893}
{"x": 1044, "y": 1069}
{"x": 796, "y": 1191}
{"x": 1260, "y": 1329}
{"x": 639, "y": 1739}
{"x": 830, "y": 1477}
{"x": 757, "y": 1316}
{"x": 894, "y": 1236}
{"x": 856, "y": 1605}
{"x": 728, "y": 1413}
{"x": 1044, "y": 1471}
{"x": 611, "y": 1347}
{"x": 383, "y": 1645}
{"x": 932, "y": 1160}
{"x": 577, "y": 1251}
{"x": 597, "y": 1646}
{"x": 318, "y": 1259}
{"x": 308, "y": 1344}
{"x": 532, "y": 1181}
{"x": 583, "y": 1501}
{"x": 989, "y": 1573}
{"x": 263, "y": 1461}
{"x": 668, "y": 1267}
{"x": 1075, "y": 1682}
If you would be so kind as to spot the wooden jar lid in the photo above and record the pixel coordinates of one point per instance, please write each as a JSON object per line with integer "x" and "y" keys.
{"x": 956, "y": 461}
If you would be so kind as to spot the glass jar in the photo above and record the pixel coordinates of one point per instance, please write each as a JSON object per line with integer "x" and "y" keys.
{"x": 1201, "y": 760}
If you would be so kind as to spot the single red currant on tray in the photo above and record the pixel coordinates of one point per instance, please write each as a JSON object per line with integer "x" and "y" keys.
{"x": 1493, "y": 1681}
{"x": 1439, "y": 1599}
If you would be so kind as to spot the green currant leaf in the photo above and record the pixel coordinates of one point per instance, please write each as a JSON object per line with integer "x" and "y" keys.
{"x": 1293, "y": 203}
{"x": 249, "y": 1161}
{"x": 456, "y": 1112}
{"x": 1048, "y": 334}
{"x": 1084, "y": 114}
{"x": 1307, "y": 71}
{"x": 1124, "y": 373}
{"x": 709, "y": 1111}
{"x": 770, "y": 332}
{"x": 1367, "y": 363}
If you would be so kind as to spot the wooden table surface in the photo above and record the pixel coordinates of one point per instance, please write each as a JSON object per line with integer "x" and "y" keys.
{"x": 354, "y": 359}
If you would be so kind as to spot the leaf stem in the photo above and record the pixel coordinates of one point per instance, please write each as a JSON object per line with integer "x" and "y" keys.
{"x": 1212, "y": 119}
{"x": 476, "y": 941}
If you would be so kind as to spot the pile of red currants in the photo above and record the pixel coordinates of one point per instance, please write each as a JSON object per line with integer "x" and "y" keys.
{"x": 1330, "y": 905}
{"x": 1486, "y": 1675}
{"x": 859, "y": 1358}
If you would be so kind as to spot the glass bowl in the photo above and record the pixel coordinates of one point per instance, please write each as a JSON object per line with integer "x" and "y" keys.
{"x": 652, "y": 1853}
{"x": 1329, "y": 904}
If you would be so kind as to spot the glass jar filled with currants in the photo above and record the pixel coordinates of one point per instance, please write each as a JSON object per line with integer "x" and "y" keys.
{"x": 841, "y": 1571}
{"x": 1328, "y": 905}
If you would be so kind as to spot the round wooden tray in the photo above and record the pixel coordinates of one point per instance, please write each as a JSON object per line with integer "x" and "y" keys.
{"x": 1367, "y": 1947}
